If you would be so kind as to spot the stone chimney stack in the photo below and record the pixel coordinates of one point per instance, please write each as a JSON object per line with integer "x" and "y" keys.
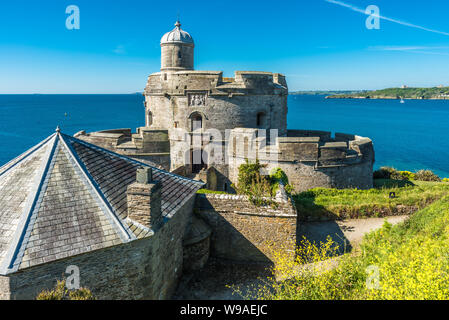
{"x": 144, "y": 199}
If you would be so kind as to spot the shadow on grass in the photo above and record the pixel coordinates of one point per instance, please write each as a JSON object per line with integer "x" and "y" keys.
{"x": 316, "y": 223}
{"x": 319, "y": 232}
{"x": 308, "y": 210}
{"x": 389, "y": 183}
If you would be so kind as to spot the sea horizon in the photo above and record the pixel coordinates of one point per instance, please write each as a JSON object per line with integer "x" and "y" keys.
{"x": 398, "y": 145}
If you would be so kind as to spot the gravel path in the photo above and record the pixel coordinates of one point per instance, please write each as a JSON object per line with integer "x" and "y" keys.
{"x": 348, "y": 233}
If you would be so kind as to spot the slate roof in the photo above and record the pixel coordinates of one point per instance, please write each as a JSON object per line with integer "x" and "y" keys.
{"x": 66, "y": 197}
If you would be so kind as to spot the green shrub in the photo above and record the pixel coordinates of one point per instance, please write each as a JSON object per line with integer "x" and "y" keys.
{"x": 382, "y": 173}
{"x": 445, "y": 180}
{"x": 278, "y": 175}
{"x": 426, "y": 175}
{"x": 248, "y": 174}
{"x": 60, "y": 292}
{"x": 392, "y": 173}
{"x": 260, "y": 192}
{"x": 407, "y": 175}
{"x": 256, "y": 186}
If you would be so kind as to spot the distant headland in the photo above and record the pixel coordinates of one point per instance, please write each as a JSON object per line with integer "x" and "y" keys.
{"x": 435, "y": 93}
{"x": 324, "y": 92}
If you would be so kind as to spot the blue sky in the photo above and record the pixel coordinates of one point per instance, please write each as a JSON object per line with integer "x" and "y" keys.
{"x": 317, "y": 44}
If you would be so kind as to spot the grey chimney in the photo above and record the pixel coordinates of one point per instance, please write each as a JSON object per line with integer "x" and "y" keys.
{"x": 144, "y": 199}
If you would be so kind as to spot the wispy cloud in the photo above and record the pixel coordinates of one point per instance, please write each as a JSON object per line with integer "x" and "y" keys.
{"x": 433, "y": 50}
{"x": 120, "y": 49}
{"x": 407, "y": 48}
{"x": 360, "y": 10}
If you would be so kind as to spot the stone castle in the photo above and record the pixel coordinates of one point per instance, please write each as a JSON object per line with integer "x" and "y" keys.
{"x": 105, "y": 203}
{"x": 199, "y": 123}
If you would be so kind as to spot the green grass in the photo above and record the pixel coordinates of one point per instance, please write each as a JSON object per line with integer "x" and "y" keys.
{"x": 320, "y": 203}
{"x": 205, "y": 191}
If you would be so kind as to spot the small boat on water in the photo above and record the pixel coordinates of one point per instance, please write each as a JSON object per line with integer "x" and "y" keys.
{"x": 402, "y": 100}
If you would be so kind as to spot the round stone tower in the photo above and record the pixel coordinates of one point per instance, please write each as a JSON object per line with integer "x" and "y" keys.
{"x": 200, "y": 122}
{"x": 177, "y": 50}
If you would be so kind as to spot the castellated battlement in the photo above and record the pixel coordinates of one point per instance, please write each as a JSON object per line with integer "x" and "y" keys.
{"x": 213, "y": 83}
{"x": 301, "y": 146}
{"x": 310, "y": 158}
{"x": 147, "y": 145}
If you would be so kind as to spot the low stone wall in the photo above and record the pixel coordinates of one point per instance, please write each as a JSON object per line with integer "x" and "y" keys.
{"x": 143, "y": 269}
{"x": 305, "y": 176}
{"x": 242, "y": 231}
{"x": 323, "y": 135}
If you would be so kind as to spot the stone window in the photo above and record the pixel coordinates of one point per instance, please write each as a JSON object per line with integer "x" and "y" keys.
{"x": 149, "y": 119}
{"x": 261, "y": 117}
{"x": 246, "y": 147}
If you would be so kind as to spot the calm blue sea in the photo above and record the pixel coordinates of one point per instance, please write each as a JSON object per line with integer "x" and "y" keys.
{"x": 408, "y": 136}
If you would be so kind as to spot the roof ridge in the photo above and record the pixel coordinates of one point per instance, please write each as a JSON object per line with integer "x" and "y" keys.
{"x": 123, "y": 230}
{"x": 23, "y": 156}
{"x": 8, "y": 264}
{"x": 93, "y": 146}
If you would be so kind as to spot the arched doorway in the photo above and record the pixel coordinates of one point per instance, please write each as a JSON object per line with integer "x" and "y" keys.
{"x": 196, "y": 122}
{"x": 198, "y": 160}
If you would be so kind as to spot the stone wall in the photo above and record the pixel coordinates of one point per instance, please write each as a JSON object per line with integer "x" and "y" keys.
{"x": 242, "y": 231}
{"x": 305, "y": 176}
{"x": 177, "y": 56}
{"x": 196, "y": 255}
{"x": 151, "y": 146}
{"x": 143, "y": 269}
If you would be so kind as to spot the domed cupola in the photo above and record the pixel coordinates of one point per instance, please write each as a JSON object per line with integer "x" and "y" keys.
{"x": 177, "y": 50}
{"x": 177, "y": 35}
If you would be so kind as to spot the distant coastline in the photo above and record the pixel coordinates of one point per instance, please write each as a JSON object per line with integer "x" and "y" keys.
{"x": 324, "y": 92}
{"x": 435, "y": 93}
